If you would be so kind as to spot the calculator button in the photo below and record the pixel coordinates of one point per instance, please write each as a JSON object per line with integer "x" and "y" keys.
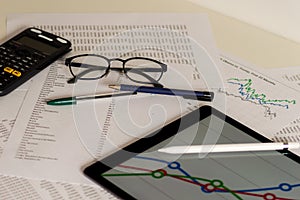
{"x": 16, "y": 73}
{"x": 8, "y": 69}
{"x": 2, "y": 85}
{"x": 6, "y": 79}
{"x": 62, "y": 40}
{"x": 35, "y": 30}
{"x": 16, "y": 67}
{"x": 26, "y": 67}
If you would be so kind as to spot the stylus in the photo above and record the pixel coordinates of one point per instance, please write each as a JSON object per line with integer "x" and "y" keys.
{"x": 219, "y": 148}
{"x": 188, "y": 94}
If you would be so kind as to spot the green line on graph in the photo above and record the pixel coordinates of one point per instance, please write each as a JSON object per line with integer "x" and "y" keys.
{"x": 217, "y": 184}
{"x": 251, "y": 92}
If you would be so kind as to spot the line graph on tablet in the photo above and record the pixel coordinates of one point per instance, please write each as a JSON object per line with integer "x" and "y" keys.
{"x": 175, "y": 170}
{"x": 150, "y": 174}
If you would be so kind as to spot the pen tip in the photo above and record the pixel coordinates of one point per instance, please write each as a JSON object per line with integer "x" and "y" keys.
{"x": 114, "y": 87}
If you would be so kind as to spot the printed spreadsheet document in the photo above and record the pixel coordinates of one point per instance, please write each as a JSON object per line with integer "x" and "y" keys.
{"x": 52, "y": 143}
{"x": 59, "y": 141}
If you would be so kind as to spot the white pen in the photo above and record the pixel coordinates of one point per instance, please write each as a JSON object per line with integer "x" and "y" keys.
{"x": 219, "y": 148}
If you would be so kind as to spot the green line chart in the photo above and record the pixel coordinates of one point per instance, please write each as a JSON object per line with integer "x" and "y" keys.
{"x": 248, "y": 92}
{"x": 243, "y": 89}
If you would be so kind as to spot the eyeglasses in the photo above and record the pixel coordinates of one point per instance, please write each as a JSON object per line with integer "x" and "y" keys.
{"x": 138, "y": 69}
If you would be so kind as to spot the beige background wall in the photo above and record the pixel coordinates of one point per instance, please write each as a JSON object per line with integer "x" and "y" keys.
{"x": 248, "y": 42}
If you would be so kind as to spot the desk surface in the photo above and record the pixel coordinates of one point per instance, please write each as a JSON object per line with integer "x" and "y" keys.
{"x": 232, "y": 36}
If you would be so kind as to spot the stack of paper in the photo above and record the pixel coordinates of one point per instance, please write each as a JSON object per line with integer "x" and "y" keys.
{"x": 49, "y": 146}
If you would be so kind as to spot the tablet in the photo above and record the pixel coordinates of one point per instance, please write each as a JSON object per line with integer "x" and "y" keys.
{"x": 139, "y": 171}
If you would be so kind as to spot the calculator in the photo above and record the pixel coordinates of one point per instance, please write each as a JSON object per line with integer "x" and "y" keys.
{"x": 26, "y": 54}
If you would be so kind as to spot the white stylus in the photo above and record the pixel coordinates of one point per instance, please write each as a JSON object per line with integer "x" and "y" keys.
{"x": 219, "y": 148}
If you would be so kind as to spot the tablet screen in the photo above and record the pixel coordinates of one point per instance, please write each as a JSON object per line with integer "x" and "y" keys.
{"x": 245, "y": 175}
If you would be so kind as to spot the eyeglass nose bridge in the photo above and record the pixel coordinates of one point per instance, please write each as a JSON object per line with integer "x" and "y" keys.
{"x": 117, "y": 59}
{"x": 119, "y": 69}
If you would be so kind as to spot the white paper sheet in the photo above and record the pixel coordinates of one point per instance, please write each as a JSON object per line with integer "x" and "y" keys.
{"x": 255, "y": 98}
{"x": 13, "y": 188}
{"x": 10, "y": 105}
{"x": 51, "y": 143}
{"x": 290, "y": 76}
{"x": 55, "y": 143}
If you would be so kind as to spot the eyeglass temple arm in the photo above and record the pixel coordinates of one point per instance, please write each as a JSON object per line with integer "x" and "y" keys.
{"x": 83, "y": 65}
{"x": 91, "y": 68}
{"x": 146, "y": 69}
{"x": 152, "y": 80}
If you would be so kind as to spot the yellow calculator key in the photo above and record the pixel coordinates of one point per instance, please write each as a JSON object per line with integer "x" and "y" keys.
{"x": 8, "y": 69}
{"x": 17, "y": 73}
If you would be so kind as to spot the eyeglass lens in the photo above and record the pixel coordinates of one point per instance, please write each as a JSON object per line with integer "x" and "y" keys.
{"x": 89, "y": 67}
{"x": 139, "y": 69}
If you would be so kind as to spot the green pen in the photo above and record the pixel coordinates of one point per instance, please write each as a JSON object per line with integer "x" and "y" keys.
{"x": 73, "y": 100}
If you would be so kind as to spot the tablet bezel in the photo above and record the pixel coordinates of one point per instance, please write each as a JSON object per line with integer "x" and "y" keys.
{"x": 94, "y": 170}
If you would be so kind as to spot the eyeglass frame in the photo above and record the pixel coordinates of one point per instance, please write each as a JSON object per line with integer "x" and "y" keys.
{"x": 122, "y": 69}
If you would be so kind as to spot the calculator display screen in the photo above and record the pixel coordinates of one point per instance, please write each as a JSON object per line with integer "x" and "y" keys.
{"x": 37, "y": 45}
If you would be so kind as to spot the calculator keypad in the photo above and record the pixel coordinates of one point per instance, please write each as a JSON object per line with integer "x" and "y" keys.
{"x": 16, "y": 61}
